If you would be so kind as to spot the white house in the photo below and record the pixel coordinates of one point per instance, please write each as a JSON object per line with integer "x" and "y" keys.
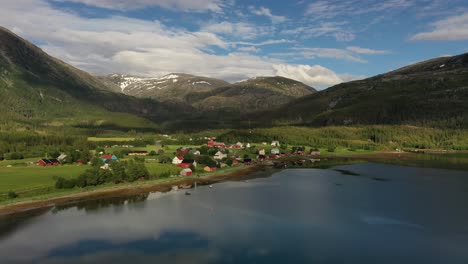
{"x": 177, "y": 160}
{"x": 248, "y": 145}
{"x": 275, "y": 143}
{"x": 261, "y": 152}
{"x": 275, "y": 151}
{"x": 219, "y": 155}
{"x": 62, "y": 157}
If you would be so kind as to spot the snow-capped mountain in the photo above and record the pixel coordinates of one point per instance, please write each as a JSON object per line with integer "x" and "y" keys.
{"x": 174, "y": 86}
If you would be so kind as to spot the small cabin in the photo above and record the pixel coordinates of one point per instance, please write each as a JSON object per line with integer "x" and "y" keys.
{"x": 186, "y": 172}
{"x": 219, "y": 155}
{"x": 107, "y": 158}
{"x": 210, "y": 169}
{"x": 177, "y": 160}
{"x": 48, "y": 162}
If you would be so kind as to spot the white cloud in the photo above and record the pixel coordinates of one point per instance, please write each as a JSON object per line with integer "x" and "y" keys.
{"x": 451, "y": 28}
{"x": 249, "y": 49}
{"x": 322, "y": 10}
{"x": 360, "y": 50}
{"x": 313, "y": 75}
{"x": 181, "y": 5}
{"x": 241, "y": 30}
{"x": 263, "y": 11}
{"x": 328, "y": 53}
{"x": 333, "y": 29}
{"x": 148, "y": 48}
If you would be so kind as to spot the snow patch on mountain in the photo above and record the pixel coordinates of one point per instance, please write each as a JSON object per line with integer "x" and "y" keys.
{"x": 201, "y": 82}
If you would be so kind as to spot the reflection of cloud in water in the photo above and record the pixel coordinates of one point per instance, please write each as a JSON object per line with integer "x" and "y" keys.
{"x": 379, "y": 220}
{"x": 131, "y": 222}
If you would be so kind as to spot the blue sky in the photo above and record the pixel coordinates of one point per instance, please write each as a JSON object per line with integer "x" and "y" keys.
{"x": 321, "y": 43}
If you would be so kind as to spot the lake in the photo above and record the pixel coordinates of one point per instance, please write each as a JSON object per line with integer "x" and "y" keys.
{"x": 361, "y": 213}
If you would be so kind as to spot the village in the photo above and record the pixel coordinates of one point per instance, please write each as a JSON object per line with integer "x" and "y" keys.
{"x": 194, "y": 160}
{"x": 127, "y": 160}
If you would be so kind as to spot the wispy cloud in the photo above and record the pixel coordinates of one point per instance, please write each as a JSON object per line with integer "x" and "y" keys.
{"x": 360, "y": 50}
{"x": 263, "y": 11}
{"x": 451, "y": 28}
{"x": 332, "y": 29}
{"x": 242, "y": 30}
{"x": 182, "y": 5}
{"x": 333, "y": 53}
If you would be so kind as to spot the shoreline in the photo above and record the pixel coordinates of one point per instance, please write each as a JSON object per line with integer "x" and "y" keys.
{"x": 247, "y": 172}
{"x": 129, "y": 190}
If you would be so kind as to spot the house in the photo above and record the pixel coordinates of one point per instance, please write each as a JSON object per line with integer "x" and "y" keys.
{"x": 275, "y": 143}
{"x": 62, "y": 157}
{"x": 220, "y": 145}
{"x": 247, "y": 161}
{"x": 186, "y": 163}
{"x": 219, "y": 155}
{"x": 275, "y": 151}
{"x": 248, "y": 145}
{"x": 186, "y": 172}
{"x": 48, "y": 162}
{"x": 182, "y": 151}
{"x": 315, "y": 152}
{"x": 105, "y": 166}
{"x": 210, "y": 169}
{"x": 107, "y": 158}
{"x": 210, "y": 143}
{"x": 138, "y": 153}
{"x": 239, "y": 145}
{"x": 177, "y": 160}
{"x": 261, "y": 152}
{"x": 196, "y": 152}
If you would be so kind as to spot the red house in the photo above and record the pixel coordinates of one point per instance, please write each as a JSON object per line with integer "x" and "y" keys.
{"x": 48, "y": 162}
{"x": 187, "y": 163}
{"x": 182, "y": 151}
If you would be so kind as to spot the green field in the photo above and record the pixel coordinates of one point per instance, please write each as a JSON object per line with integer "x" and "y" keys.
{"x": 30, "y": 179}
{"x": 123, "y": 139}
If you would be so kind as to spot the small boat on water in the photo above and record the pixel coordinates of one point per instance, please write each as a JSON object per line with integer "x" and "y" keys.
{"x": 211, "y": 186}
{"x": 187, "y": 193}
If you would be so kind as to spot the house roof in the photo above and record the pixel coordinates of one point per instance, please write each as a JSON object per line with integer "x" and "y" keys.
{"x": 107, "y": 156}
{"x": 179, "y": 157}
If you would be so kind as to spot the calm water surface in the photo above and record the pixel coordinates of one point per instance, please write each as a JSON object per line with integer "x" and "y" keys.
{"x": 363, "y": 213}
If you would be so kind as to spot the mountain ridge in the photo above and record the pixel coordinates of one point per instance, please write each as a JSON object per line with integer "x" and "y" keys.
{"x": 431, "y": 92}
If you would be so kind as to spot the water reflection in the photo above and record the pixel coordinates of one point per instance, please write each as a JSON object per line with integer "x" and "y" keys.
{"x": 303, "y": 215}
